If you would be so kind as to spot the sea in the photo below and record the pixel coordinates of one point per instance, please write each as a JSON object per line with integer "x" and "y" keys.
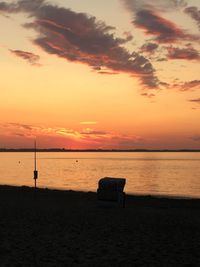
{"x": 175, "y": 174}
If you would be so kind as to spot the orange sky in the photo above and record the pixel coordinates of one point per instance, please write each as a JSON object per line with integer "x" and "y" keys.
{"x": 123, "y": 74}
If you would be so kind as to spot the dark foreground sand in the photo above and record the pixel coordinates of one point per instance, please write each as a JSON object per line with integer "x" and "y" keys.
{"x": 53, "y": 228}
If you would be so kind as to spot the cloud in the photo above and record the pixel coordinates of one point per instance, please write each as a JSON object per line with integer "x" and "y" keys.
{"x": 191, "y": 84}
{"x": 188, "y": 53}
{"x": 186, "y": 86}
{"x": 19, "y": 126}
{"x": 197, "y": 100}
{"x": 196, "y": 138}
{"x": 89, "y": 131}
{"x": 88, "y": 122}
{"x": 151, "y": 81}
{"x": 62, "y": 131}
{"x": 31, "y": 131}
{"x": 85, "y": 138}
{"x": 18, "y": 129}
{"x": 149, "y": 47}
{"x": 78, "y": 37}
{"x": 19, "y": 134}
{"x": 5, "y": 7}
{"x": 147, "y": 16}
{"x": 148, "y": 95}
{"x": 194, "y": 13}
{"x": 129, "y": 36}
{"x": 164, "y": 30}
{"x": 161, "y": 59}
{"x": 108, "y": 72}
{"x": 110, "y": 140}
{"x": 28, "y": 56}
{"x": 159, "y": 5}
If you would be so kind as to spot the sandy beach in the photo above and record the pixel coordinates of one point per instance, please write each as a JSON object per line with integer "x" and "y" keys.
{"x": 67, "y": 228}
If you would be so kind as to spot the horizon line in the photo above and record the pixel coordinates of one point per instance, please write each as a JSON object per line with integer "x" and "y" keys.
{"x": 96, "y": 150}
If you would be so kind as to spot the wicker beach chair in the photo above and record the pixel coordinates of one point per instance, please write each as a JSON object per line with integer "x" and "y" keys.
{"x": 110, "y": 191}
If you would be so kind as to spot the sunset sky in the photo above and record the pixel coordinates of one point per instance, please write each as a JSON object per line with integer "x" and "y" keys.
{"x": 120, "y": 74}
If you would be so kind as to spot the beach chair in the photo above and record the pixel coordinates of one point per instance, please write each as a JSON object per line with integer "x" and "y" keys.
{"x": 110, "y": 192}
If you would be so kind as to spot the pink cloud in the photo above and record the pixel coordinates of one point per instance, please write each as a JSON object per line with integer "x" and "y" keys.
{"x": 164, "y": 30}
{"x": 186, "y": 86}
{"x": 85, "y": 138}
{"x": 28, "y": 56}
{"x": 188, "y": 53}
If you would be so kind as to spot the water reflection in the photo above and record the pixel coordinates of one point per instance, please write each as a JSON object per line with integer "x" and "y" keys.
{"x": 146, "y": 173}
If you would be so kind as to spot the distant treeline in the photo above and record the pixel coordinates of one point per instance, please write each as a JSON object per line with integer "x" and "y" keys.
{"x": 94, "y": 150}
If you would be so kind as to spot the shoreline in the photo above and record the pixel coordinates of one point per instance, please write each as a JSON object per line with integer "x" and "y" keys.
{"x": 128, "y": 194}
{"x": 46, "y": 227}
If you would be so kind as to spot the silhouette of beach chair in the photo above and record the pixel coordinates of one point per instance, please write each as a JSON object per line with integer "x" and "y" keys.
{"x": 110, "y": 191}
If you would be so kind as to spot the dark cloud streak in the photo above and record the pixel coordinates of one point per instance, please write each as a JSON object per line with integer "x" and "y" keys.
{"x": 28, "y": 56}
{"x": 149, "y": 47}
{"x": 147, "y": 16}
{"x": 159, "y": 5}
{"x": 164, "y": 30}
{"x": 188, "y": 53}
{"x": 186, "y": 86}
{"x": 194, "y": 13}
{"x": 197, "y": 100}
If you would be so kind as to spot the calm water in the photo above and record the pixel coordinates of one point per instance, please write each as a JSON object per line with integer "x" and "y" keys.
{"x": 175, "y": 174}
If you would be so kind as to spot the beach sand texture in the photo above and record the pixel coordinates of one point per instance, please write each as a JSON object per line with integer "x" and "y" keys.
{"x": 67, "y": 228}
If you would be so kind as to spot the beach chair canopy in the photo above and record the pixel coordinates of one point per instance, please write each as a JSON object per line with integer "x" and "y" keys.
{"x": 110, "y": 190}
{"x": 112, "y": 184}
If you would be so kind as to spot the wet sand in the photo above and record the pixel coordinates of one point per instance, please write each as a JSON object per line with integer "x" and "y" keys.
{"x": 67, "y": 228}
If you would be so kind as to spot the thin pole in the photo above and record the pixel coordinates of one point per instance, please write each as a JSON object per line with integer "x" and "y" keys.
{"x": 35, "y": 172}
{"x": 35, "y": 164}
{"x": 35, "y": 156}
